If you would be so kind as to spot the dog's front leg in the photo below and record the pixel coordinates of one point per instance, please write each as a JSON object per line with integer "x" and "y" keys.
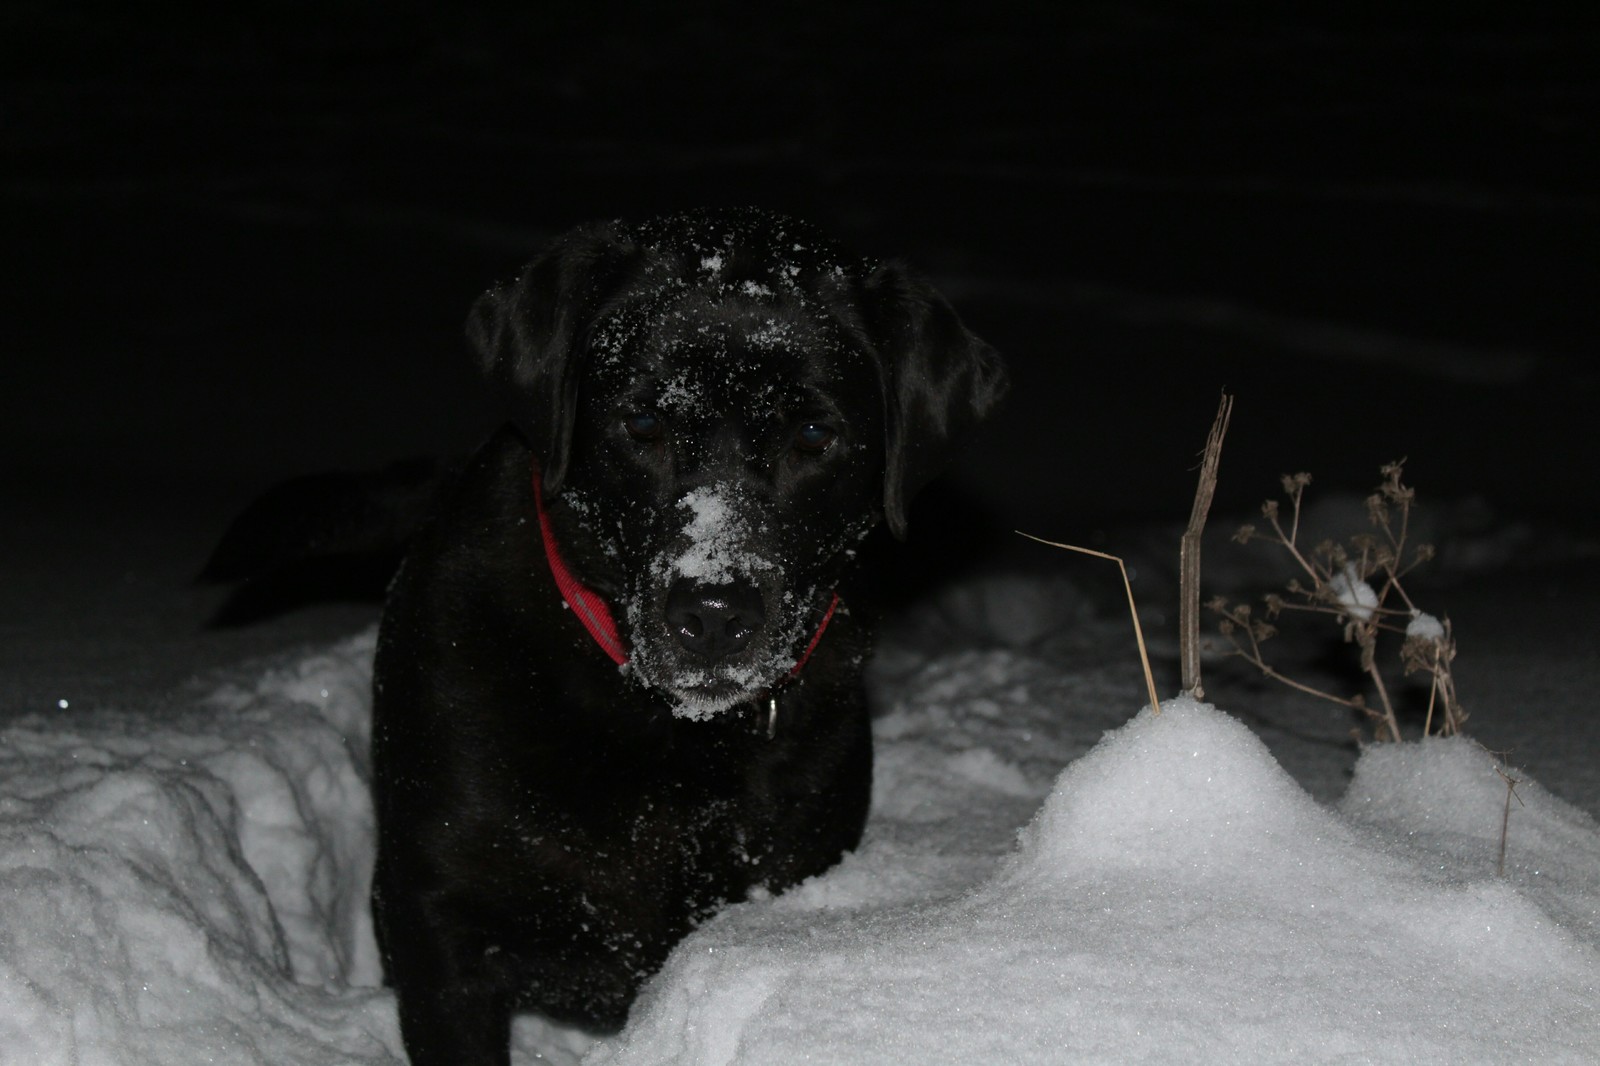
{"x": 455, "y": 1004}
{"x": 460, "y": 1026}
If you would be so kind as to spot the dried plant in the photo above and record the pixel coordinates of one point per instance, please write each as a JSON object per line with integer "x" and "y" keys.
{"x": 1512, "y": 782}
{"x": 1358, "y": 584}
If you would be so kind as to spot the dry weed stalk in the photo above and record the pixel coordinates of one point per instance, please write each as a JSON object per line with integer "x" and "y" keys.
{"x": 1505, "y": 817}
{"x": 1342, "y": 578}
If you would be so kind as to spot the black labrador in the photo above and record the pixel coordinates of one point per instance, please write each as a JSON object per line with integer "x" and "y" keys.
{"x": 619, "y": 678}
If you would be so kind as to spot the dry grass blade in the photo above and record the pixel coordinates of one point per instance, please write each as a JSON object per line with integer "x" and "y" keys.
{"x": 1138, "y": 632}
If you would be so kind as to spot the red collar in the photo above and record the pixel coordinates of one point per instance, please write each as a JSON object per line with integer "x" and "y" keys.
{"x": 592, "y": 610}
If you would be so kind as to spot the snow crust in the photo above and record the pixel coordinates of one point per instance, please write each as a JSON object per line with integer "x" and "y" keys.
{"x": 1042, "y": 880}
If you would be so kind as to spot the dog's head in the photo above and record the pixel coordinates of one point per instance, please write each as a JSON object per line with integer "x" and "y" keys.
{"x": 722, "y": 404}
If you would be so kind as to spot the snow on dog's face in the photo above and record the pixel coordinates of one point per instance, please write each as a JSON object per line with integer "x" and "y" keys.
{"x": 722, "y": 405}
{"x": 726, "y": 460}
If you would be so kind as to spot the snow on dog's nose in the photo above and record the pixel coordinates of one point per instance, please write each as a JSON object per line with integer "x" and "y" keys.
{"x": 701, "y": 621}
{"x": 716, "y": 544}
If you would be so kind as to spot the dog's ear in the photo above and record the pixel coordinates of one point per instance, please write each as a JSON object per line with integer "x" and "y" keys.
{"x": 528, "y": 335}
{"x": 939, "y": 381}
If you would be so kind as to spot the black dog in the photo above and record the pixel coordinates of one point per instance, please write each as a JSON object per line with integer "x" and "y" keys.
{"x": 618, "y": 684}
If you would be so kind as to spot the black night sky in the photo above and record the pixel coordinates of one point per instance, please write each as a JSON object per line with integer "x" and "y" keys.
{"x": 241, "y": 239}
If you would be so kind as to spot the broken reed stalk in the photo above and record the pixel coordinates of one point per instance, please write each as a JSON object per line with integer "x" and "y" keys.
{"x": 1189, "y": 553}
{"x": 1138, "y": 632}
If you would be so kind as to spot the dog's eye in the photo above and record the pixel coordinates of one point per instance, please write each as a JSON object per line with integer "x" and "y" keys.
{"x": 813, "y": 437}
{"x": 642, "y": 425}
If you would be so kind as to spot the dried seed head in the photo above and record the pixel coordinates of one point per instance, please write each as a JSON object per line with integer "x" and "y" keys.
{"x": 1333, "y": 552}
{"x": 1392, "y": 488}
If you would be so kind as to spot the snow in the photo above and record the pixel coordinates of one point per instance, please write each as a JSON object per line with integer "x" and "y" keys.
{"x": 1353, "y": 594}
{"x": 717, "y": 549}
{"x": 191, "y": 887}
{"x": 1046, "y": 876}
{"x": 1425, "y": 626}
{"x": 1177, "y": 898}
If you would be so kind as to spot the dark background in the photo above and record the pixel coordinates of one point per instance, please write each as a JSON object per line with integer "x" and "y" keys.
{"x": 241, "y": 239}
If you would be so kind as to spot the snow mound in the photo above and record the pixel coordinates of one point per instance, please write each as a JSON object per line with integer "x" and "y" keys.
{"x": 1176, "y": 898}
{"x": 190, "y": 886}
{"x": 1443, "y": 804}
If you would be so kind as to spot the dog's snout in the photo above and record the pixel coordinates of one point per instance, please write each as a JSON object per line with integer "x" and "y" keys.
{"x": 714, "y": 620}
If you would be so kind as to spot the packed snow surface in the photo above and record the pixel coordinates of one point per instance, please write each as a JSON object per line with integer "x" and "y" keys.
{"x": 1047, "y": 876}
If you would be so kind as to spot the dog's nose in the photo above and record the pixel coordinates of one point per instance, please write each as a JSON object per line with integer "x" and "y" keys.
{"x": 714, "y": 620}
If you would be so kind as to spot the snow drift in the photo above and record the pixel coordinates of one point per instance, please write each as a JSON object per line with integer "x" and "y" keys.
{"x": 189, "y": 884}
{"x": 1177, "y": 898}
